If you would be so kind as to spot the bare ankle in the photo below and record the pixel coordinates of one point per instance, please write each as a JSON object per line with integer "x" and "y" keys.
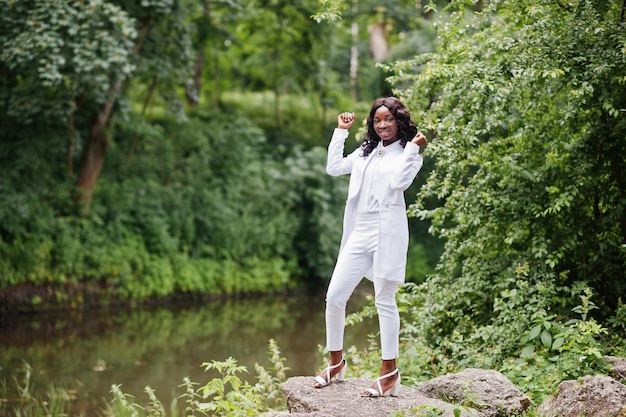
{"x": 336, "y": 356}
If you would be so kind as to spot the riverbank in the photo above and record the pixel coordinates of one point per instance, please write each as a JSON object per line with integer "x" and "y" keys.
{"x": 75, "y": 296}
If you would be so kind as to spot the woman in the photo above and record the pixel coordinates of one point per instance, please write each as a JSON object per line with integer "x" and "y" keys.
{"x": 375, "y": 236}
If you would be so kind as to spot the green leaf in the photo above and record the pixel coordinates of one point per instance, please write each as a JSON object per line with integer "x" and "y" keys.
{"x": 534, "y": 332}
{"x": 527, "y": 351}
{"x": 546, "y": 338}
{"x": 558, "y": 342}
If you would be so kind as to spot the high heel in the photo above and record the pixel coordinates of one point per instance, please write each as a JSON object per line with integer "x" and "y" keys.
{"x": 322, "y": 382}
{"x": 393, "y": 390}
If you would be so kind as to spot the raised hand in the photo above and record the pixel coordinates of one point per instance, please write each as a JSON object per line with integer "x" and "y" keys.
{"x": 419, "y": 139}
{"x": 345, "y": 120}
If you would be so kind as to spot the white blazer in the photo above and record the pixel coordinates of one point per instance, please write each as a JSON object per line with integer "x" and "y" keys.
{"x": 397, "y": 170}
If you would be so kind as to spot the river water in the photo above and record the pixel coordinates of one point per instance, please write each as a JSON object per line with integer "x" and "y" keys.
{"x": 89, "y": 351}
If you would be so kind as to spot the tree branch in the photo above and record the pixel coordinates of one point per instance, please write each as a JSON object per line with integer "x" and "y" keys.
{"x": 564, "y": 6}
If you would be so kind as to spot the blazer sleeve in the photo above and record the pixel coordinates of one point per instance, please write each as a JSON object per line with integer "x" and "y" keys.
{"x": 336, "y": 163}
{"x": 407, "y": 170}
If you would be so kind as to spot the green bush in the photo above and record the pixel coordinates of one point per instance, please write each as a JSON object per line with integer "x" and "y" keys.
{"x": 179, "y": 208}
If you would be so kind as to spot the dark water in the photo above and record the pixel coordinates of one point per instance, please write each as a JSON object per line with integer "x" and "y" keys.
{"x": 89, "y": 351}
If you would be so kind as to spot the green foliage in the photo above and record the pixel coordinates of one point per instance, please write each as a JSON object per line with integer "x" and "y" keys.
{"x": 320, "y": 208}
{"x": 329, "y": 10}
{"x": 183, "y": 215}
{"x": 536, "y": 350}
{"x": 177, "y": 211}
{"x": 418, "y": 265}
{"x": 276, "y": 32}
{"x": 226, "y": 395}
{"x": 434, "y": 411}
{"x": 553, "y": 351}
{"x": 124, "y": 404}
{"x": 302, "y": 125}
{"x": 62, "y": 60}
{"x": 523, "y": 103}
{"x": 536, "y": 355}
{"x": 174, "y": 211}
{"x": 67, "y": 66}
{"x": 56, "y": 51}
{"x": 617, "y": 325}
{"x": 56, "y": 402}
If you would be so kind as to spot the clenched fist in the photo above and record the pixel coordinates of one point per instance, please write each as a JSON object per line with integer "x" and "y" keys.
{"x": 419, "y": 139}
{"x": 345, "y": 120}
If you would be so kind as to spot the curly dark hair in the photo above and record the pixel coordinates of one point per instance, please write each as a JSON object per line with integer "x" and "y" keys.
{"x": 406, "y": 128}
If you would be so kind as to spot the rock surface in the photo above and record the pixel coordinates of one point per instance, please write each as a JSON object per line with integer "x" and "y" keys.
{"x": 618, "y": 369}
{"x": 490, "y": 392}
{"x": 591, "y": 396}
{"x": 343, "y": 399}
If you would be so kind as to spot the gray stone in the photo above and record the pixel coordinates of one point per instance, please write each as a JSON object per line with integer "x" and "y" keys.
{"x": 490, "y": 392}
{"x": 591, "y": 396}
{"x": 618, "y": 370}
{"x": 343, "y": 399}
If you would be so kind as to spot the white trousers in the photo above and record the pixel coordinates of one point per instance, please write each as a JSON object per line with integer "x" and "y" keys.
{"x": 355, "y": 259}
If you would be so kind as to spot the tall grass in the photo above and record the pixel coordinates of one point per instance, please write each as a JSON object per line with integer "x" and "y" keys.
{"x": 22, "y": 402}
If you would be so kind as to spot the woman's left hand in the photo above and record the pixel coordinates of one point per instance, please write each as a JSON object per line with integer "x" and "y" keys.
{"x": 419, "y": 139}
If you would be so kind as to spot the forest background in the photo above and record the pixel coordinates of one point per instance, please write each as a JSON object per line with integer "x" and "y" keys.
{"x": 169, "y": 149}
{"x": 156, "y": 149}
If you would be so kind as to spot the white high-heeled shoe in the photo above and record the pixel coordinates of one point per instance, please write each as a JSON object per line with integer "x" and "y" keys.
{"x": 322, "y": 382}
{"x": 393, "y": 390}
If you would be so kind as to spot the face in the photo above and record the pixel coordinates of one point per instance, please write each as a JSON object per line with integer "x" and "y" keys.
{"x": 385, "y": 124}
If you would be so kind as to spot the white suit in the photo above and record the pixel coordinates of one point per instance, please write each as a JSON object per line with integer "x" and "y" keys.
{"x": 397, "y": 171}
{"x": 374, "y": 243}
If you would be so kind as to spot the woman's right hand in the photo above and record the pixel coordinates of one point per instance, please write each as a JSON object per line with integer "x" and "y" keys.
{"x": 345, "y": 120}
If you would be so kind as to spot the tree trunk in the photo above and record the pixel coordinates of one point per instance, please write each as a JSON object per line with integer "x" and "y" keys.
{"x": 378, "y": 43}
{"x": 216, "y": 81}
{"x": 354, "y": 53}
{"x": 193, "y": 91}
{"x": 93, "y": 155}
{"x": 98, "y": 142}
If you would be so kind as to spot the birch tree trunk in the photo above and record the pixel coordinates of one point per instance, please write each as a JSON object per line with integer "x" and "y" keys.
{"x": 378, "y": 43}
{"x": 354, "y": 52}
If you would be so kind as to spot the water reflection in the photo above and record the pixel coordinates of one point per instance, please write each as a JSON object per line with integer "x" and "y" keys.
{"x": 90, "y": 351}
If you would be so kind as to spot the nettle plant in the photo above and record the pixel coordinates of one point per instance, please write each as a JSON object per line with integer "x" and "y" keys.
{"x": 225, "y": 395}
{"x": 553, "y": 350}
